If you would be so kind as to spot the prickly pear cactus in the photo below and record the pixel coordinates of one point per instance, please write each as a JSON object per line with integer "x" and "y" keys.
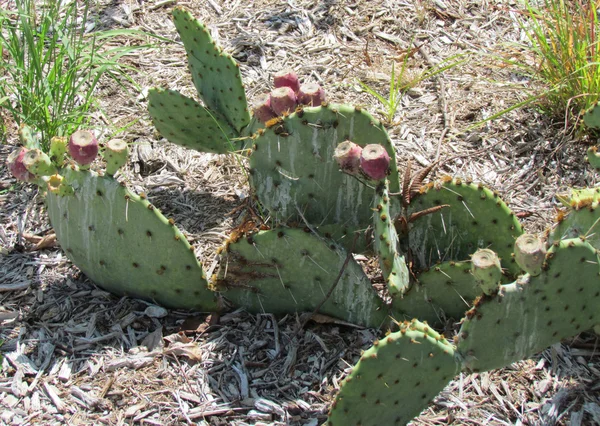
{"x": 582, "y": 218}
{"x": 295, "y": 176}
{"x": 476, "y": 218}
{"x": 125, "y": 245}
{"x": 289, "y": 270}
{"x": 534, "y": 312}
{"x": 395, "y": 379}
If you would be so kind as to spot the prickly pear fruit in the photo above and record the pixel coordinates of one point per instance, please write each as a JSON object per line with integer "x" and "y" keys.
{"x": 115, "y": 155}
{"x": 38, "y": 163}
{"x": 485, "y": 267}
{"x": 57, "y": 185}
{"x": 375, "y": 161}
{"x": 58, "y": 149}
{"x": 311, "y": 94}
{"x": 16, "y": 166}
{"x": 530, "y": 253}
{"x": 83, "y": 147}
{"x": 593, "y": 157}
{"x": 347, "y": 155}
{"x": 286, "y": 78}
{"x": 283, "y": 99}
{"x": 263, "y": 111}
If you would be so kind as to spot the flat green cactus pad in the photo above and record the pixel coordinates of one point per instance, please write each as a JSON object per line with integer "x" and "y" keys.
{"x": 215, "y": 73}
{"x": 125, "y": 245}
{"x": 294, "y": 174}
{"x": 395, "y": 379}
{"x": 444, "y": 291}
{"x": 583, "y": 218}
{"x": 529, "y": 315}
{"x": 392, "y": 262}
{"x": 591, "y": 118}
{"x": 476, "y": 218}
{"x": 288, "y": 270}
{"x": 185, "y": 122}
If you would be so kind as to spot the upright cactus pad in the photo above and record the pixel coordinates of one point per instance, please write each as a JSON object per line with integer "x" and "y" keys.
{"x": 295, "y": 176}
{"x": 530, "y": 314}
{"x": 582, "y": 218}
{"x": 185, "y": 122}
{"x": 289, "y": 270}
{"x": 215, "y": 73}
{"x": 125, "y": 245}
{"x": 395, "y": 379}
{"x": 591, "y": 118}
{"x": 392, "y": 262}
{"x": 477, "y": 218}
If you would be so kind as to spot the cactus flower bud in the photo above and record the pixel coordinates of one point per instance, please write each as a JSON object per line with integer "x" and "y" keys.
{"x": 263, "y": 111}
{"x": 286, "y": 78}
{"x": 283, "y": 99}
{"x": 311, "y": 94}
{"x": 375, "y": 161}
{"x": 347, "y": 155}
{"x": 16, "y": 166}
{"x": 83, "y": 147}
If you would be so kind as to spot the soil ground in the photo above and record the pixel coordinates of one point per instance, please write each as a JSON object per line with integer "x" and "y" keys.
{"x": 75, "y": 354}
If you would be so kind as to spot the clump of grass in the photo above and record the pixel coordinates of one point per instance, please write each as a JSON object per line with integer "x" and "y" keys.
{"x": 52, "y": 64}
{"x": 562, "y": 37}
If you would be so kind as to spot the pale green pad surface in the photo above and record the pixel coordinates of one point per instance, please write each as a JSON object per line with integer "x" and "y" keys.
{"x": 126, "y": 246}
{"x": 476, "y": 218}
{"x": 583, "y": 218}
{"x": 292, "y": 169}
{"x": 185, "y": 122}
{"x": 525, "y": 319}
{"x": 395, "y": 379}
{"x": 215, "y": 74}
{"x": 445, "y": 291}
{"x": 288, "y": 270}
{"x": 591, "y": 118}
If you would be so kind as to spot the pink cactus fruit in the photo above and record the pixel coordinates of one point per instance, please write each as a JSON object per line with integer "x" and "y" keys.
{"x": 283, "y": 99}
{"x": 83, "y": 147}
{"x": 263, "y": 111}
{"x": 17, "y": 167}
{"x": 311, "y": 94}
{"x": 347, "y": 154}
{"x": 375, "y": 161}
{"x": 286, "y": 78}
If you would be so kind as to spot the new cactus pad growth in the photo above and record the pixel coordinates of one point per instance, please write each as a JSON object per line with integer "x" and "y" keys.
{"x": 530, "y": 253}
{"x": 347, "y": 155}
{"x": 83, "y": 147}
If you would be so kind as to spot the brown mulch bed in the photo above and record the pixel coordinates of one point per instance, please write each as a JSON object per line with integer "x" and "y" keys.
{"x": 75, "y": 354}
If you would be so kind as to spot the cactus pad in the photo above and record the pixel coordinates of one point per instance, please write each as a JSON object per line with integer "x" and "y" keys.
{"x": 294, "y": 173}
{"x": 395, "y": 379}
{"x": 125, "y": 245}
{"x": 476, "y": 218}
{"x": 582, "y": 219}
{"x": 185, "y": 122}
{"x": 533, "y": 313}
{"x": 288, "y": 270}
{"x": 215, "y": 73}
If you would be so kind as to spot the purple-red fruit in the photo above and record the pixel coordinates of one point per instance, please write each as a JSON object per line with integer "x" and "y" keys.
{"x": 283, "y": 99}
{"x": 311, "y": 94}
{"x": 286, "y": 78}
{"x": 263, "y": 111}
{"x": 375, "y": 161}
{"x": 347, "y": 154}
{"x": 83, "y": 147}
{"x": 16, "y": 166}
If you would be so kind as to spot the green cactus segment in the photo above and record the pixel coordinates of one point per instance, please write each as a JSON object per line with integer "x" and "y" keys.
{"x": 27, "y": 137}
{"x": 583, "y": 218}
{"x": 215, "y": 73}
{"x": 593, "y": 157}
{"x": 185, "y": 122}
{"x": 395, "y": 379}
{"x": 125, "y": 245}
{"x": 445, "y": 291}
{"x": 476, "y": 218}
{"x": 393, "y": 265}
{"x": 288, "y": 270}
{"x": 531, "y": 314}
{"x": 591, "y": 118}
{"x": 295, "y": 176}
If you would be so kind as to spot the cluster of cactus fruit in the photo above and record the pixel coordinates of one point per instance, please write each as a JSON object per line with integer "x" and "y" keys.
{"x": 328, "y": 177}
